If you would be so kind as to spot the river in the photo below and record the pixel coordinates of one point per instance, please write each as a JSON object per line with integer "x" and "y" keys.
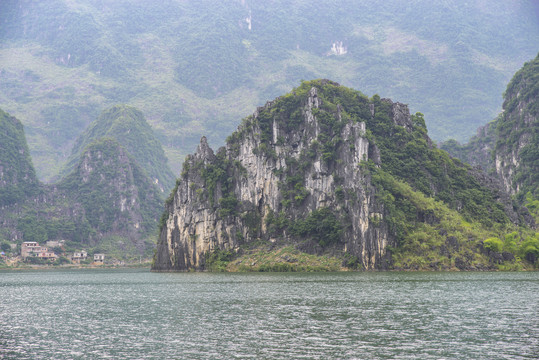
{"x": 136, "y": 314}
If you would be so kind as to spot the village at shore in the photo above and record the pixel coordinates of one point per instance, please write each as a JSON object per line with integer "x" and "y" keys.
{"x": 31, "y": 254}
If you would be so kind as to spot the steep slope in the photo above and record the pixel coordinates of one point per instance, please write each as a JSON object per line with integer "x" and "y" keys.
{"x": 117, "y": 196}
{"x": 517, "y": 134}
{"x": 329, "y": 171}
{"x": 129, "y": 127}
{"x": 17, "y": 175}
{"x": 64, "y": 61}
{"x": 477, "y": 151}
{"x": 509, "y": 145}
{"x": 107, "y": 203}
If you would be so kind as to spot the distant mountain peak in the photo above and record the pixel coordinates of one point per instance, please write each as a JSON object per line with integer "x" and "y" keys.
{"x": 129, "y": 127}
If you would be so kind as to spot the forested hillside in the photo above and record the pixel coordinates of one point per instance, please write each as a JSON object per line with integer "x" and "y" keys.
{"x": 17, "y": 175}
{"x": 196, "y": 67}
{"x": 128, "y": 126}
{"x": 508, "y": 147}
{"x": 106, "y": 203}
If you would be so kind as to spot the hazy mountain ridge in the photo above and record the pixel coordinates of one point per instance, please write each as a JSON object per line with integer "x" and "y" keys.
{"x": 169, "y": 59}
{"x": 129, "y": 127}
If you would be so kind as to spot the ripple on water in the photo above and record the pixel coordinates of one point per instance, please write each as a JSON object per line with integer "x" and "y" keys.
{"x": 137, "y": 314}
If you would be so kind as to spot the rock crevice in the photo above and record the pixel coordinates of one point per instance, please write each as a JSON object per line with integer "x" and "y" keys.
{"x": 279, "y": 166}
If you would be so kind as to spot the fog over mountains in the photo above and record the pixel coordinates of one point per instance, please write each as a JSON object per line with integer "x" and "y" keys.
{"x": 197, "y": 67}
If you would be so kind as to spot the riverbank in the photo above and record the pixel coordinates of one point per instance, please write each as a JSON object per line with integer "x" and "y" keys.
{"x": 269, "y": 258}
{"x": 24, "y": 266}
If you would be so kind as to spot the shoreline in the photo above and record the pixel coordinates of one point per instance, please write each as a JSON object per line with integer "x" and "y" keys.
{"x": 344, "y": 270}
{"x": 76, "y": 267}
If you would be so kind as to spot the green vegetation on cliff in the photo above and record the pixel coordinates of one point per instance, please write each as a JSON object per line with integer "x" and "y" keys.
{"x": 508, "y": 147}
{"x": 479, "y": 150}
{"x": 17, "y": 175}
{"x": 106, "y": 203}
{"x": 114, "y": 191}
{"x": 434, "y": 236}
{"x": 518, "y": 130}
{"x": 405, "y": 154}
{"x": 129, "y": 128}
{"x": 439, "y": 211}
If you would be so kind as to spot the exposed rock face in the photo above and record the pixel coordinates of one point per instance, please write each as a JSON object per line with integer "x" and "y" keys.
{"x": 327, "y": 170}
{"x": 510, "y": 144}
{"x": 478, "y": 151}
{"x": 106, "y": 175}
{"x": 107, "y": 194}
{"x": 255, "y": 179}
{"x": 517, "y": 145}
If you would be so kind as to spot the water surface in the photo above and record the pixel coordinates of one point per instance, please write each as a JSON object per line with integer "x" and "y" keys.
{"x": 135, "y": 314}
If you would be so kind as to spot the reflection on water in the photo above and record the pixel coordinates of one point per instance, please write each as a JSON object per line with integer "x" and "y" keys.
{"x": 138, "y": 314}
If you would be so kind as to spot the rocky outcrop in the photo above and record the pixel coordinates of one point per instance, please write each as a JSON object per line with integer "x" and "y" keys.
{"x": 478, "y": 151}
{"x": 128, "y": 126}
{"x": 117, "y": 196}
{"x": 517, "y": 144}
{"x": 275, "y": 173}
{"x": 509, "y": 145}
{"x": 106, "y": 195}
{"x": 328, "y": 171}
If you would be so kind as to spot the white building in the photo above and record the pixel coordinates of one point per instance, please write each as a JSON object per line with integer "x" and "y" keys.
{"x": 99, "y": 258}
{"x": 78, "y": 256}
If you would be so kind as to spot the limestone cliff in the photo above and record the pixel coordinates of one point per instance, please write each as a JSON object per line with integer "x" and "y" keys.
{"x": 478, "y": 151}
{"x": 517, "y": 144}
{"x": 311, "y": 169}
{"x": 257, "y": 184}
{"x": 107, "y": 197}
{"x": 509, "y": 145}
{"x": 116, "y": 195}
